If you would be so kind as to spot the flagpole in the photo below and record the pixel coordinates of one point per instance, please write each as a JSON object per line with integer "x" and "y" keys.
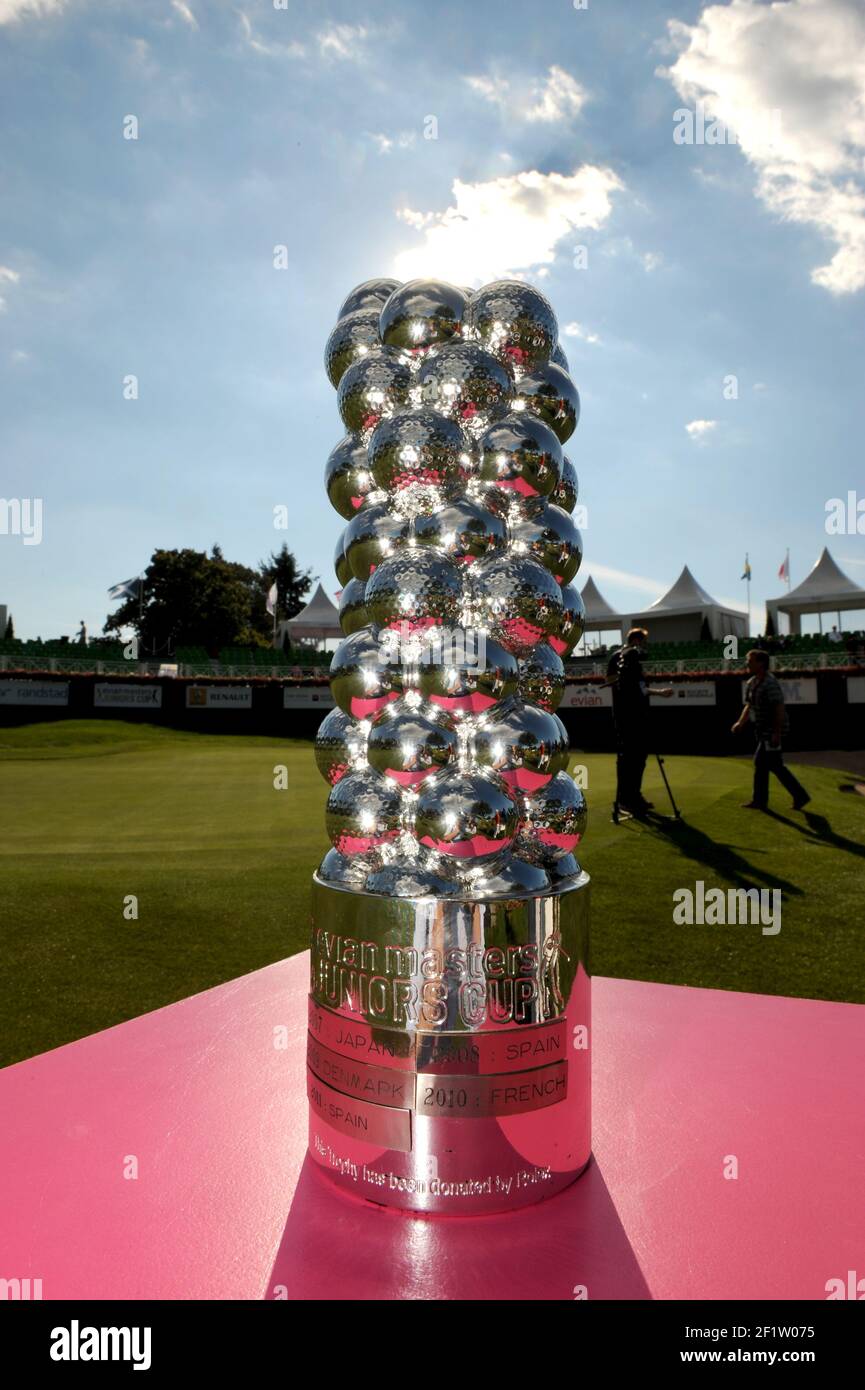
{"x": 748, "y": 590}
{"x": 788, "y": 569}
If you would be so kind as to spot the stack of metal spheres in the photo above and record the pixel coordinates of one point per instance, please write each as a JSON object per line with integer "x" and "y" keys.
{"x": 446, "y": 759}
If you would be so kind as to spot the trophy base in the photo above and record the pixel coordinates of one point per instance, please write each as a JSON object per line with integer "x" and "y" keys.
{"x": 449, "y": 1067}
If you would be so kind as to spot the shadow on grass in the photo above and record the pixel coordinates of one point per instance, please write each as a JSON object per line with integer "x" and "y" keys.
{"x": 818, "y": 828}
{"x": 722, "y": 858}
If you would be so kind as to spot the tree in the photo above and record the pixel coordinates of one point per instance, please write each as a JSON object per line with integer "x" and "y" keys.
{"x": 292, "y": 584}
{"x": 190, "y": 598}
{"x": 10, "y": 629}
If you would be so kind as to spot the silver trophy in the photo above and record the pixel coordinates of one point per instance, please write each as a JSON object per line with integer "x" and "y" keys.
{"x": 448, "y": 1057}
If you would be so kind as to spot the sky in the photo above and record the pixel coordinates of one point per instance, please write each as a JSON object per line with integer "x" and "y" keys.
{"x": 710, "y": 295}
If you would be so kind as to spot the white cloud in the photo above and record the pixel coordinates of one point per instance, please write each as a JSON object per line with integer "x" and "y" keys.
{"x": 13, "y": 10}
{"x": 7, "y": 277}
{"x": 789, "y": 79}
{"x": 342, "y": 41}
{"x": 576, "y": 330}
{"x": 185, "y": 13}
{"x": 508, "y": 224}
{"x": 339, "y": 42}
{"x": 557, "y": 98}
{"x": 632, "y": 581}
{"x": 267, "y": 50}
{"x": 699, "y": 430}
{"x": 624, "y": 246}
{"x": 385, "y": 143}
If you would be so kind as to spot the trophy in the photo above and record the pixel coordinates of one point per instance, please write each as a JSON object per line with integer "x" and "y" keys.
{"x": 448, "y": 1051}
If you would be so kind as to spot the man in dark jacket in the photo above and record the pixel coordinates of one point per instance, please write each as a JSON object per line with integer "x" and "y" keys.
{"x": 631, "y": 718}
{"x": 764, "y": 706}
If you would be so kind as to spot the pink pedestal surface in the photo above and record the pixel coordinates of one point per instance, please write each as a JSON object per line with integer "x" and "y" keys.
{"x": 207, "y": 1099}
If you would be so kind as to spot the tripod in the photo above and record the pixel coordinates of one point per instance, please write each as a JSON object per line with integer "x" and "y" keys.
{"x": 619, "y": 812}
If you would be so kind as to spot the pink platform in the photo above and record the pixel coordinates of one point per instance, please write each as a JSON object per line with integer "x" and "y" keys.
{"x": 226, "y": 1205}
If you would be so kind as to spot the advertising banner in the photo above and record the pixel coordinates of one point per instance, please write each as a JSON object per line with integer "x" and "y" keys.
{"x": 219, "y": 697}
{"x": 113, "y": 695}
{"x": 13, "y": 692}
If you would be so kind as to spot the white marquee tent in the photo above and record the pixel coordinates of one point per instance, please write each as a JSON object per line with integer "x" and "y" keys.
{"x": 318, "y": 620}
{"x": 600, "y": 617}
{"x": 825, "y": 590}
{"x": 679, "y": 614}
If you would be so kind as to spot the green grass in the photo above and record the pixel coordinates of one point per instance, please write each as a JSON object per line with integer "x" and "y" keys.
{"x": 220, "y": 863}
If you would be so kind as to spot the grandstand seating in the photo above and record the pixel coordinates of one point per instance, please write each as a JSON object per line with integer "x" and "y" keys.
{"x": 31, "y": 652}
{"x": 805, "y": 644}
{"x": 107, "y": 655}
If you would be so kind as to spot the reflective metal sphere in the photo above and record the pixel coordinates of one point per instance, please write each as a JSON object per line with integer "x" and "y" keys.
{"x": 567, "y": 489}
{"x": 520, "y": 742}
{"x": 562, "y": 757}
{"x": 340, "y": 746}
{"x": 371, "y": 294}
{"x": 350, "y": 339}
{"x": 342, "y": 869}
{"x": 372, "y": 388}
{"x": 347, "y": 477}
{"x": 520, "y": 600}
{"x": 570, "y": 627}
{"x": 415, "y": 590}
{"x": 465, "y": 815}
{"x": 363, "y": 813}
{"x": 471, "y": 680}
{"x": 373, "y": 535}
{"x": 542, "y": 678}
{"x": 412, "y": 880}
{"x": 467, "y": 384}
{"x": 418, "y": 448}
{"x": 362, "y": 680}
{"x": 352, "y": 609}
{"x": 558, "y": 356}
{"x": 549, "y": 536}
{"x": 553, "y": 821}
{"x": 408, "y": 745}
{"x": 515, "y": 322}
{"x": 549, "y": 393}
{"x": 563, "y": 871}
{"x": 521, "y": 457}
{"x": 512, "y": 878}
{"x": 422, "y": 313}
{"x": 340, "y": 560}
{"x": 464, "y": 530}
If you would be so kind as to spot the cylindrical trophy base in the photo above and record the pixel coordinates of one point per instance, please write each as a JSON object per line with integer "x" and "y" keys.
{"x": 449, "y": 1065}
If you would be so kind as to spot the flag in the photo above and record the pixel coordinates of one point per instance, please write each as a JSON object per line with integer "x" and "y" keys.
{"x": 784, "y": 571}
{"x": 127, "y": 588}
{"x": 746, "y": 574}
{"x": 271, "y": 600}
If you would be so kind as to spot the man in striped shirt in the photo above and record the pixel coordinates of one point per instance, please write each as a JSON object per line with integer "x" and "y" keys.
{"x": 764, "y": 706}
